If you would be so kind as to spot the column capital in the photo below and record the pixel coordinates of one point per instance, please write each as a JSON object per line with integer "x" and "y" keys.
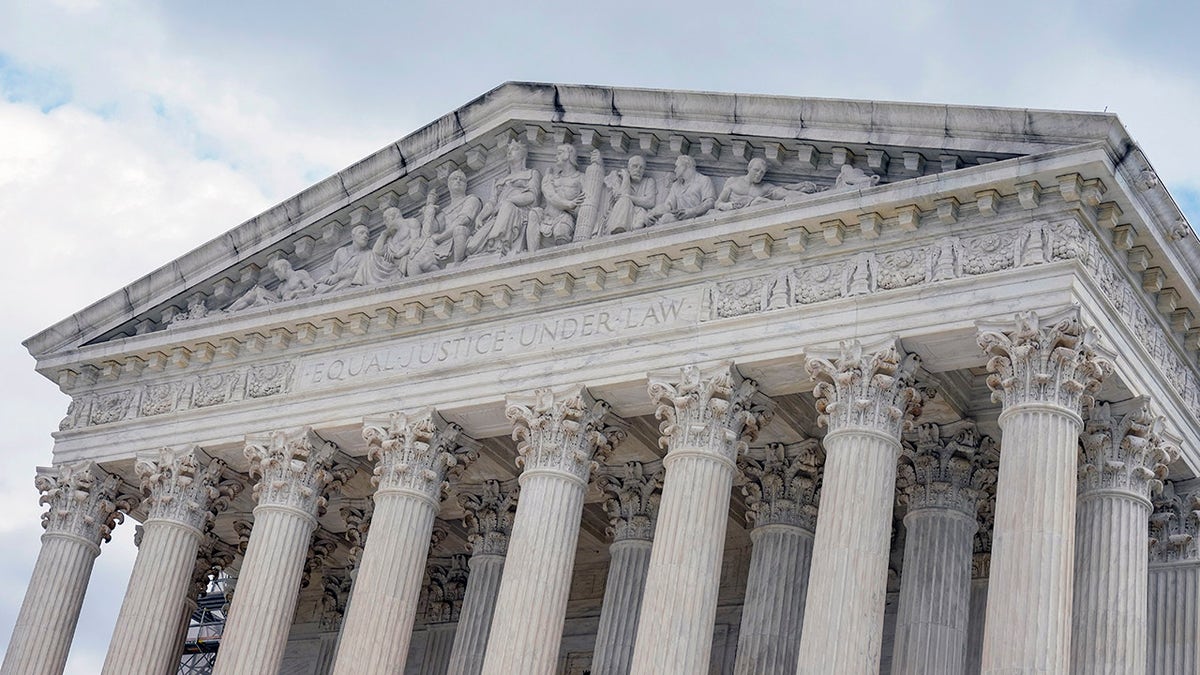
{"x": 631, "y": 496}
{"x": 445, "y": 587}
{"x": 782, "y": 483}
{"x": 946, "y": 467}
{"x": 865, "y": 389}
{"x": 335, "y": 592}
{"x": 212, "y": 557}
{"x": 295, "y": 469}
{"x": 1123, "y": 450}
{"x": 713, "y": 410}
{"x": 415, "y": 452}
{"x": 488, "y": 512}
{"x": 82, "y": 500}
{"x": 1175, "y": 526}
{"x": 184, "y": 486}
{"x": 356, "y": 513}
{"x": 1051, "y": 360}
{"x": 562, "y": 430}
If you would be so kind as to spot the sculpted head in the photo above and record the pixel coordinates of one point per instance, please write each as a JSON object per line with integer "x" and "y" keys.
{"x": 567, "y": 153}
{"x": 637, "y": 167}
{"x": 391, "y": 215}
{"x": 517, "y": 152}
{"x": 282, "y": 269}
{"x": 456, "y": 183}
{"x": 756, "y": 170}
{"x": 685, "y": 166}
{"x": 360, "y": 235}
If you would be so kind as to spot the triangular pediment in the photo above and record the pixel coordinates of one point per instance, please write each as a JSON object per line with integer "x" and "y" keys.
{"x": 808, "y": 148}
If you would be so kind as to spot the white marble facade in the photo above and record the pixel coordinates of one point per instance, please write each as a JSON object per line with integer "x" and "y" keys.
{"x": 592, "y": 380}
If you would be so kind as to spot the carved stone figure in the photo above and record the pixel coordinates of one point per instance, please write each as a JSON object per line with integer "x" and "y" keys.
{"x": 632, "y": 195}
{"x": 690, "y": 195}
{"x": 431, "y": 246}
{"x": 562, "y": 189}
{"x": 944, "y": 261}
{"x": 346, "y": 260}
{"x": 502, "y": 221}
{"x": 750, "y": 190}
{"x": 293, "y": 284}
{"x": 851, "y": 178}
{"x": 587, "y": 220}
{"x": 860, "y": 279}
{"x": 389, "y": 256}
{"x": 1030, "y": 245}
{"x": 458, "y": 218}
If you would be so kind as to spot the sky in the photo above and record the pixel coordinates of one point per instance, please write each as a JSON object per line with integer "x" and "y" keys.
{"x": 131, "y": 132}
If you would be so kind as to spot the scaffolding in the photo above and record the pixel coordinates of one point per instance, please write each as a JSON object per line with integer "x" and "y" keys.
{"x": 205, "y": 628}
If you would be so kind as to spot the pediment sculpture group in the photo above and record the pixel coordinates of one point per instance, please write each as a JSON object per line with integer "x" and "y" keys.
{"x": 528, "y": 212}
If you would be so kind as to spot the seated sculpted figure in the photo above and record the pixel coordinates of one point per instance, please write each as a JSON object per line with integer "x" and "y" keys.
{"x": 431, "y": 247}
{"x": 562, "y": 189}
{"x": 346, "y": 261}
{"x": 458, "y": 218}
{"x": 690, "y": 195}
{"x": 632, "y": 195}
{"x": 750, "y": 190}
{"x": 502, "y": 221}
{"x": 851, "y": 178}
{"x": 389, "y": 256}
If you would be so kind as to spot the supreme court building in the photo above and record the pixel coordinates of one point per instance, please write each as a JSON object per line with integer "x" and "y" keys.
{"x": 595, "y": 380}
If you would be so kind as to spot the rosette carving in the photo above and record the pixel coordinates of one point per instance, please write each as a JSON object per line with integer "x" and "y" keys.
{"x": 82, "y": 500}
{"x": 488, "y": 512}
{"x": 417, "y": 452}
{"x": 1123, "y": 452}
{"x": 184, "y": 486}
{"x": 782, "y": 483}
{"x": 1050, "y": 361}
{"x": 294, "y": 469}
{"x": 563, "y": 430}
{"x": 713, "y": 409}
{"x": 866, "y": 390}
{"x": 631, "y": 496}
{"x": 946, "y": 468}
{"x": 1175, "y": 526}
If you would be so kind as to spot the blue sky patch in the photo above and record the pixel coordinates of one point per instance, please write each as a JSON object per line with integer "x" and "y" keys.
{"x": 40, "y": 87}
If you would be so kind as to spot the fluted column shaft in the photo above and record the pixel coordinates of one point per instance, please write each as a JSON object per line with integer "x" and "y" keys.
{"x": 1174, "y": 618}
{"x": 935, "y": 593}
{"x": 978, "y": 613}
{"x": 531, "y": 607}
{"x": 560, "y": 432}
{"x": 843, "y": 628}
{"x": 144, "y": 639}
{"x": 265, "y": 602}
{"x": 623, "y": 591}
{"x": 475, "y": 619}
{"x": 773, "y": 612}
{"x": 376, "y": 634}
{"x": 1033, "y": 546}
{"x": 82, "y": 510}
{"x": 1111, "y": 561}
{"x": 46, "y": 623}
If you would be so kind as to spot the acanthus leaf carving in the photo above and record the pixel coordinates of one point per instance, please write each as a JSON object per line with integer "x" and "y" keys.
{"x": 713, "y": 410}
{"x": 488, "y": 512}
{"x": 356, "y": 513}
{"x": 631, "y": 497}
{"x": 82, "y": 500}
{"x": 562, "y": 430}
{"x": 335, "y": 593}
{"x": 184, "y": 485}
{"x": 1175, "y": 526}
{"x": 1051, "y": 360}
{"x": 295, "y": 469}
{"x": 445, "y": 588}
{"x": 416, "y": 452}
{"x": 1123, "y": 452}
{"x": 782, "y": 483}
{"x": 946, "y": 467}
{"x": 872, "y": 390}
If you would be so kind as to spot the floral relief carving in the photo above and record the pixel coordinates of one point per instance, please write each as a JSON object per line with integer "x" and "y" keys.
{"x": 213, "y": 389}
{"x": 111, "y": 407}
{"x": 416, "y": 452}
{"x": 1123, "y": 452}
{"x": 564, "y": 430}
{"x": 184, "y": 486}
{"x": 269, "y": 379}
{"x": 160, "y": 398}
{"x": 866, "y": 390}
{"x": 294, "y": 469}
{"x": 946, "y": 467}
{"x": 631, "y": 496}
{"x": 488, "y": 512}
{"x": 743, "y": 296}
{"x": 81, "y": 500}
{"x": 782, "y": 483}
{"x": 356, "y": 513}
{"x": 713, "y": 410}
{"x": 445, "y": 587}
{"x": 814, "y": 283}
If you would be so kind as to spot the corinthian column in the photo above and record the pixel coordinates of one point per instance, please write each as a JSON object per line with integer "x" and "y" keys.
{"x": 1174, "y": 594}
{"x": 941, "y": 481}
{"x": 865, "y": 400}
{"x": 782, "y": 488}
{"x": 295, "y": 470}
{"x": 488, "y": 517}
{"x": 706, "y": 415}
{"x": 82, "y": 500}
{"x": 1042, "y": 368}
{"x": 632, "y": 503}
{"x": 414, "y": 454}
{"x": 183, "y": 489}
{"x": 558, "y": 433}
{"x": 1121, "y": 463}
